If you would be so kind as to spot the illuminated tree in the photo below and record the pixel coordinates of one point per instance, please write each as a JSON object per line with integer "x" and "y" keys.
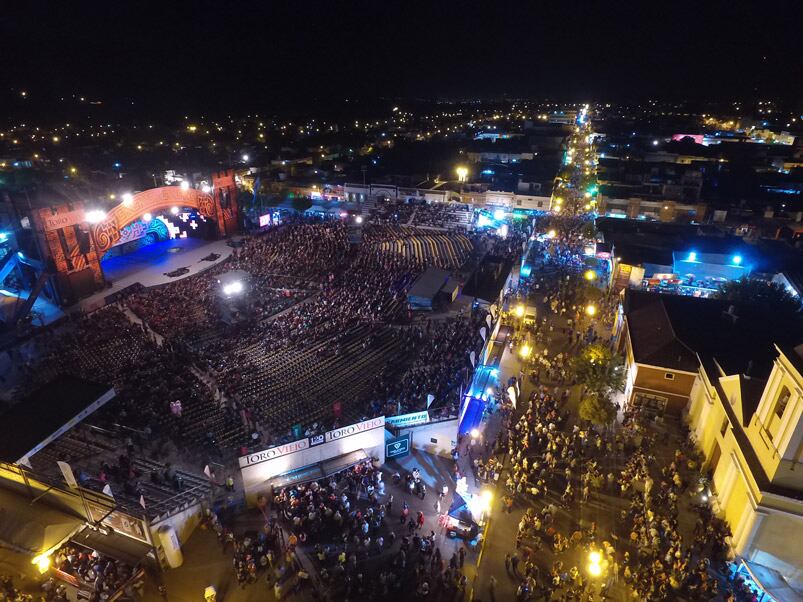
{"x": 597, "y": 409}
{"x": 599, "y": 370}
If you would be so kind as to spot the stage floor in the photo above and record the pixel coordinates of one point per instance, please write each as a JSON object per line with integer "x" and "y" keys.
{"x": 149, "y": 265}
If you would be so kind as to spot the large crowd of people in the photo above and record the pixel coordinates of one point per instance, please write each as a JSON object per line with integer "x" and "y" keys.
{"x": 308, "y": 290}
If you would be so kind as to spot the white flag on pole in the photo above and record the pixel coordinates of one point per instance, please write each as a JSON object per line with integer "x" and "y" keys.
{"x": 107, "y": 489}
{"x": 142, "y": 501}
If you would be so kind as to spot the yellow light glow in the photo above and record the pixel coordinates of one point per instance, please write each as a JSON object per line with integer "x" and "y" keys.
{"x": 525, "y": 351}
{"x": 587, "y": 195}
{"x": 520, "y": 311}
{"x": 591, "y": 310}
{"x": 462, "y": 173}
{"x": 594, "y": 570}
{"x": 73, "y": 170}
{"x": 595, "y": 557}
{"x": 590, "y": 275}
{"x": 551, "y": 234}
{"x": 487, "y": 497}
{"x": 42, "y": 562}
{"x": 56, "y": 139}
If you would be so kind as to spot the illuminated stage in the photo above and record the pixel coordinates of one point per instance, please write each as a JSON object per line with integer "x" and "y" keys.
{"x": 150, "y": 264}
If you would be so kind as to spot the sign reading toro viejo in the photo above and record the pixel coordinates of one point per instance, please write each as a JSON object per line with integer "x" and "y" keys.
{"x": 353, "y": 429}
{"x": 272, "y": 453}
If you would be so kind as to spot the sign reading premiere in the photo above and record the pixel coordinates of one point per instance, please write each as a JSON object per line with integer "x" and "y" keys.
{"x": 405, "y": 420}
{"x": 260, "y": 467}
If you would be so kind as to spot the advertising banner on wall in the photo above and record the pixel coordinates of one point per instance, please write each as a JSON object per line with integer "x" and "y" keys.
{"x": 405, "y": 420}
{"x": 397, "y": 447}
{"x": 259, "y": 468}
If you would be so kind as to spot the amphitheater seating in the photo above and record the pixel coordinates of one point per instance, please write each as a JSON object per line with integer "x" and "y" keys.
{"x": 442, "y": 250}
{"x": 87, "y": 449}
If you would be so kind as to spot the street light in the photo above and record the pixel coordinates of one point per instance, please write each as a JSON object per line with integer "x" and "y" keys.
{"x": 525, "y": 351}
{"x": 595, "y": 563}
{"x": 462, "y": 173}
{"x": 520, "y": 311}
{"x": 591, "y": 310}
{"x": 590, "y": 275}
{"x": 42, "y": 562}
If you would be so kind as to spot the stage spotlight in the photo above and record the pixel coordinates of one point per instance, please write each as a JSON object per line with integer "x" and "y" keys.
{"x": 233, "y": 288}
{"x": 95, "y": 216}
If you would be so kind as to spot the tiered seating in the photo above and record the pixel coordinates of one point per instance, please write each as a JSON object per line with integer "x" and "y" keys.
{"x": 300, "y": 385}
{"x": 448, "y": 251}
{"x": 94, "y": 455}
{"x": 451, "y": 216}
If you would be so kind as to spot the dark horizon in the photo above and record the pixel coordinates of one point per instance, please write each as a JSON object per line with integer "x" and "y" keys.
{"x": 163, "y": 60}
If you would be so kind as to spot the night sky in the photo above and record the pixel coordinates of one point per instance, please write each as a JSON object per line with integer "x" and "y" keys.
{"x": 168, "y": 57}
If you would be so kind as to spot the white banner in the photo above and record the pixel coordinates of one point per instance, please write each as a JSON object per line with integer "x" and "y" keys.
{"x": 406, "y": 420}
{"x": 69, "y": 477}
{"x": 354, "y": 429}
{"x": 274, "y": 452}
{"x": 430, "y": 399}
{"x": 259, "y": 468}
{"x": 511, "y": 393}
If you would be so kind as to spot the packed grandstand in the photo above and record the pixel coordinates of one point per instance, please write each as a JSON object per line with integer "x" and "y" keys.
{"x": 326, "y": 339}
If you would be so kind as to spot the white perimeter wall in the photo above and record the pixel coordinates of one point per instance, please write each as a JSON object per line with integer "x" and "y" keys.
{"x": 437, "y": 438}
